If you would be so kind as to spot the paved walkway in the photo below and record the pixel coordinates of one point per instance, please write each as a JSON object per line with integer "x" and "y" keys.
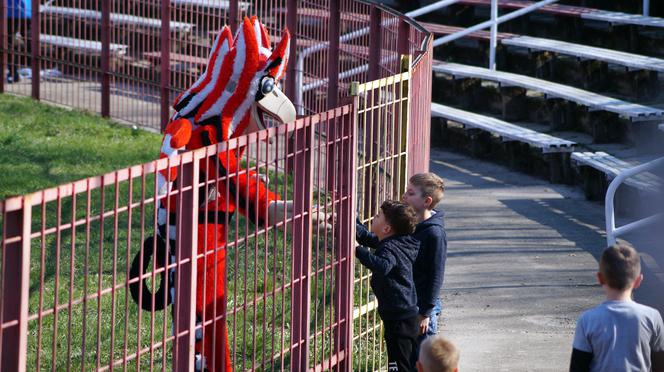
{"x": 521, "y": 265}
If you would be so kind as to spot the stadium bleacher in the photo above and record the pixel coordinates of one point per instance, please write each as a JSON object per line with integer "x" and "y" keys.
{"x": 545, "y": 78}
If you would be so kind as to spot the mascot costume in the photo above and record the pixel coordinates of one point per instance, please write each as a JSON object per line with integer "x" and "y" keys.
{"x": 238, "y": 86}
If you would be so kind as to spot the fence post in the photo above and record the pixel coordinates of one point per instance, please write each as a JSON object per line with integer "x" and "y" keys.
{"x": 105, "y": 58}
{"x": 375, "y": 42}
{"x": 333, "y": 55}
{"x": 302, "y": 191}
{"x": 165, "y": 65}
{"x": 404, "y": 127}
{"x": 233, "y": 15}
{"x": 402, "y": 37}
{"x": 3, "y": 43}
{"x": 35, "y": 29}
{"x": 15, "y": 288}
{"x": 343, "y": 277}
{"x": 185, "y": 277}
{"x": 291, "y": 23}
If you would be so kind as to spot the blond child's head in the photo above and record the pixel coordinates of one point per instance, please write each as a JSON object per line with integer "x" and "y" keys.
{"x": 424, "y": 192}
{"x": 438, "y": 355}
{"x": 620, "y": 268}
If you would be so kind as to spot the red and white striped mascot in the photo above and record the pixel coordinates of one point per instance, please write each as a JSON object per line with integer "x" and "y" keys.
{"x": 228, "y": 100}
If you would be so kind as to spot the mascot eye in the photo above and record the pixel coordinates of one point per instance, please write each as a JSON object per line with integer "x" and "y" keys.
{"x": 267, "y": 85}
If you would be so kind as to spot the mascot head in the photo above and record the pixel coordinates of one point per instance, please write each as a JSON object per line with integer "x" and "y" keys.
{"x": 240, "y": 83}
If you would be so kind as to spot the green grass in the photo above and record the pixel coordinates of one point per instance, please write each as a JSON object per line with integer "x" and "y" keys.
{"x": 43, "y": 146}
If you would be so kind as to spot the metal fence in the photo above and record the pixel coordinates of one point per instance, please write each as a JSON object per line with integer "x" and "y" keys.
{"x": 293, "y": 298}
{"x": 67, "y": 257}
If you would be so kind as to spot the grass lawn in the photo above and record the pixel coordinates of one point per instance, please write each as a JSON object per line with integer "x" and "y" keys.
{"x": 43, "y": 146}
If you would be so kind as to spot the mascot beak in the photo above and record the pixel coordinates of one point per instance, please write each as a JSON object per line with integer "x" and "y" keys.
{"x": 276, "y": 105}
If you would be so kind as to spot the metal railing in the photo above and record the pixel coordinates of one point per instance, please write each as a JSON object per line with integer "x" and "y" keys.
{"x": 613, "y": 232}
{"x": 288, "y": 300}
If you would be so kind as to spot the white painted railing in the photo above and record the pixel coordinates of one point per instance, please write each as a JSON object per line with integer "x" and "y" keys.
{"x": 612, "y": 232}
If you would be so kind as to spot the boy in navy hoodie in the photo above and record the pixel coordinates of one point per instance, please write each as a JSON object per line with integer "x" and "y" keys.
{"x": 391, "y": 266}
{"x": 424, "y": 192}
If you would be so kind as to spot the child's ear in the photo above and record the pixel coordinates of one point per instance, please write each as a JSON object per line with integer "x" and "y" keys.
{"x": 428, "y": 201}
{"x": 387, "y": 229}
{"x": 637, "y": 281}
{"x": 600, "y": 278}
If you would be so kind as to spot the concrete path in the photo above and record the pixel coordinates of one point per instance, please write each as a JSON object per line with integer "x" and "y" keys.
{"x": 521, "y": 266}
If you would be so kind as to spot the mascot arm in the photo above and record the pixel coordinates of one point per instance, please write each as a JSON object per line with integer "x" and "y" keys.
{"x": 254, "y": 195}
{"x": 177, "y": 135}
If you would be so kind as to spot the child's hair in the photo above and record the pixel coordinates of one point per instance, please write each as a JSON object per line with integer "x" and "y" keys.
{"x": 430, "y": 185}
{"x": 438, "y": 354}
{"x": 620, "y": 265}
{"x": 400, "y": 216}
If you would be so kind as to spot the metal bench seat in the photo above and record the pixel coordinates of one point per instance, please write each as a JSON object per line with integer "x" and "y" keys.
{"x": 507, "y": 131}
{"x": 633, "y": 61}
{"x": 612, "y": 166}
{"x": 213, "y": 4}
{"x": 594, "y": 101}
{"x": 116, "y": 18}
{"x": 577, "y": 12}
{"x": 438, "y": 29}
{"x": 87, "y": 46}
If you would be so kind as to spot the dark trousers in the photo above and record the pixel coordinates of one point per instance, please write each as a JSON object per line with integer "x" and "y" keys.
{"x": 401, "y": 341}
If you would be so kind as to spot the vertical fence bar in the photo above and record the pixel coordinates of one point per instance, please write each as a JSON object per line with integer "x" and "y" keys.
{"x": 165, "y": 73}
{"x": 494, "y": 31}
{"x": 333, "y": 55}
{"x": 3, "y": 43}
{"x": 646, "y": 7}
{"x": 291, "y": 23}
{"x": 375, "y": 42}
{"x": 303, "y": 190}
{"x": 402, "y": 37}
{"x": 105, "y": 59}
{"x": 35, "y": 29}
{"x": 233, "y": 14}
{"x": 404, "y": 122}
{"x": 345, "y": 242}
{"x": 15, "y": 289}
{"x": 185, "y": 280}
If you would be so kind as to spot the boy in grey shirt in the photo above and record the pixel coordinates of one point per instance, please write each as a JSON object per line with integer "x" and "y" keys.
{"x": 619, "y": 334}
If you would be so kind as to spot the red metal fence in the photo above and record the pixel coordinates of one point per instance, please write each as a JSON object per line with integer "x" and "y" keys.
{"x": 292, "y": 302}
{"x": 67, "y": 253}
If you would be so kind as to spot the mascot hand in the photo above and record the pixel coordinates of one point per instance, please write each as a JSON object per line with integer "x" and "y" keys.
{"x": 278, "y": 210}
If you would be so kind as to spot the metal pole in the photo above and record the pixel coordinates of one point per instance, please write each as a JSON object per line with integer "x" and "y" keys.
{"x": 3, "y": 43}
{"x": 301, "y": 268}
{"x": 333, "y": 55}
{"x": 15, "y": 288}
{"x": 105, "y": 59}
{"x": 35, "y": 30}
{"x": 646, "y": 7}
{"x": 375, "y": 42}
{"x": 494, "y": 32}
{"x": 485, "y": 24}
{"x": 233, "y": 15}
{"x": 165, "y": 62}
{"x": 186, "y": 250}
{"x": 291, "y": 73}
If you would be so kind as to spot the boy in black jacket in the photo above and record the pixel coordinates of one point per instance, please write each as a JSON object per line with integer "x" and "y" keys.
{"x": 424, "y": 192}
{"x": 391, "y": 266}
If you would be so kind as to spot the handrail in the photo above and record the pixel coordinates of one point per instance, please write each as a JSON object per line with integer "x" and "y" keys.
{"x": 611, "y": 231}
{"x": 493, "y": 23}
{"x": 301, "y": 88}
